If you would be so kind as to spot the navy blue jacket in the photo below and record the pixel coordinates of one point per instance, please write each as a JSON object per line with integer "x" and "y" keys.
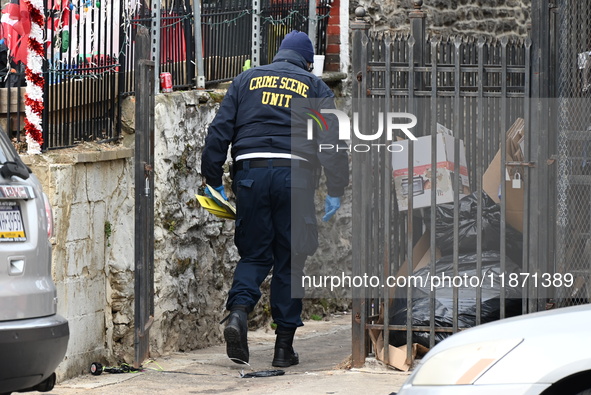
{"x": 256, "y": 116}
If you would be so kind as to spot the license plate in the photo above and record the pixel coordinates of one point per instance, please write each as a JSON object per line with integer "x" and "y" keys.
{"x": 11, "y": 223}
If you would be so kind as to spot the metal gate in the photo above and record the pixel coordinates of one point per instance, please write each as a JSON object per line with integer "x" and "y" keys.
{"x": 485, "y": 103}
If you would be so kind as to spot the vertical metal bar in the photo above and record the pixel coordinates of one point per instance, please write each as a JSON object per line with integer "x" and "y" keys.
{"x": 365, "y": 185}
{"x": 71, "y": 67}
{"x": 359, "y": 63}
{"x": 372, "y": 189}
{"x": 81, "y": 64}
{"x": 552, "y": 202}
{"x": 538, "y": 183}
{"x": 457, "y": 183}
{"x": 105, "y": 118}
{"x": 82, "y": 130}
{"x": 155, "y": 42}
{"x": 144, "y": 196}
{"x": 479, "y": 173}
{"x": 449, "y": 80}
{"x": 410, "y": 189}
{"x": 212, "y": 43}
{"x": 222, "y": 49}
{"x": 45, "y": 113}
{"x": 199, "y": 47}
{"x": 417, "y": 26}
{"x": 387, "y": 188}
{"x": 473, "y": 102}
{"x": 256, "y": 33}
{"x": 50, "y": 78}
{"x": 502, "y": 137}
{"x": 122, "y": 78}
{"x": 98, "y": 77}
{"x": 312, "y": 23}
{"x": 87, "y": 130}
{"x": 113, "y": 114}
{"x": 46, "y": 89}
{"x": 435, "y": 46}
{"x": 526, "y": 153}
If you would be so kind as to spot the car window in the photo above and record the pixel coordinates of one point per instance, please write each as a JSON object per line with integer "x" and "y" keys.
{"x": 7, "y": 151}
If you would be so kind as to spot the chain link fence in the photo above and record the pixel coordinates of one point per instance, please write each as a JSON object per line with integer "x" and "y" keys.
{"x": 573, "y": 217}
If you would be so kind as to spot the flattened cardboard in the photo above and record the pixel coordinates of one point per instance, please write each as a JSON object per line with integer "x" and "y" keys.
{"x": 491, "y": 180}
{"x": 421, "y": 256}
{"x": 514, "y": 206}
{"x": 396, "y": 355}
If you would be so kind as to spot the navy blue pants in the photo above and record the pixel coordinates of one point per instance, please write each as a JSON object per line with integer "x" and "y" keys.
{"x": 272, "y": 205}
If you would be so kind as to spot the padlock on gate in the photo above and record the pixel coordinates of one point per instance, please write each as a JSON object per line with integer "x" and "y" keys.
{"x": 516, "y": 183}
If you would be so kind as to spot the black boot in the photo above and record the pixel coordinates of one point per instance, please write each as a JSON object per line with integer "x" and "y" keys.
{"x": 284, "y": 356}
{"x": 235, "y": 334}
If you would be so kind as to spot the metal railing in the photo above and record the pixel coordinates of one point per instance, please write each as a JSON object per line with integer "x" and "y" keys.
{"x": 81, "y": 73}
{"x": 228, "y": 29}
{"x": 227, "y": 38}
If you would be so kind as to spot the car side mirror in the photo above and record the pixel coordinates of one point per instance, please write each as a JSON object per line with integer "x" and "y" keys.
{"x": 10, "y": 169}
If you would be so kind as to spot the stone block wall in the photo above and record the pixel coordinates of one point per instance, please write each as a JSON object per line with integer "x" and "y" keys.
{"x": 91, "y": 191}
{"x": 194, "y": 250}
{"x": 493, "y": 18}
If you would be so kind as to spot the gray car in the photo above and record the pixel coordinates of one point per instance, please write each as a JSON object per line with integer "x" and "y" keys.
{"x": 33, "y": 337}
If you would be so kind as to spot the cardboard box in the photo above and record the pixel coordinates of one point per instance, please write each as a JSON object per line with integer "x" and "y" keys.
{"x": 396, "y": 355}
{"x": 514, "y": 206}
{"x": 491, "y": 180}
{"x": 421, "y": 257}
{"x": 422, "y": 172}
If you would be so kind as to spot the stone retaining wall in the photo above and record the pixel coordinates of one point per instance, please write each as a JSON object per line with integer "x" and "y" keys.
{"x": 493, "y": 18}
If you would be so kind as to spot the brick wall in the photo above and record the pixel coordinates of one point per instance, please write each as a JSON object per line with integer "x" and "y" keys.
{"x": 333, "y": 39}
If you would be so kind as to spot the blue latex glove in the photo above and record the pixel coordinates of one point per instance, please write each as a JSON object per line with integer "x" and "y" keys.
{"x": 222, "y": 192}
{"x": 331, "y": 205}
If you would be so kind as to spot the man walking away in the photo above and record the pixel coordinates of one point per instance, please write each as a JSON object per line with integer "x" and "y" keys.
{"x": 274, "y": 179}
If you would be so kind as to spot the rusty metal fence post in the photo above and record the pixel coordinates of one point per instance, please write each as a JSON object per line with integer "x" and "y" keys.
{"x": 144, "y": 196}
{"x": 540, "y": 254}
{"x": 360, "y": 345}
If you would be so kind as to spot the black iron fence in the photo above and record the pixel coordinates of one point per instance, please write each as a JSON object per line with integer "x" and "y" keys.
{"x": 234, "y": 32}
{"x": 83, "y": 53}
{"x": 227, "y": 38}
{"x": 90, "y": 49}
{"x": 429, "y": 212}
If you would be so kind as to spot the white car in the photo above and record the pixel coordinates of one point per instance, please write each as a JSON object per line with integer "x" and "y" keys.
{"x": 540, "y": 353}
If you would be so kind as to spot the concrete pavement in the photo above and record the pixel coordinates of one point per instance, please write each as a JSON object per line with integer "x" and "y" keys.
{"x": 324, "y": 348}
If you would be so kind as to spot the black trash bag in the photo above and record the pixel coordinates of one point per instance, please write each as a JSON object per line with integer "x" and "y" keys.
{"x": 491, "y": 291}
{"x": 468, "y": 212}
